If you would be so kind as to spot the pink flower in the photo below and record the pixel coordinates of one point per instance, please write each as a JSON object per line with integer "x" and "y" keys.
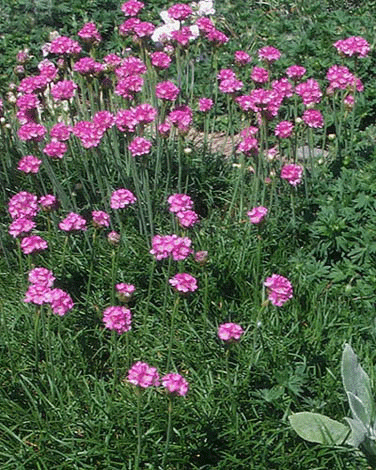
{"x": 175, "y": 384}
{"x": 183, "y": 282}
{"x": 21, "y": 226}
{"x": 73, "y": 222}
{"x": 131, "y": 65}
{"x": 257, "y": 214}
{"x": 205, "y": 25}
{"x": 269, "y": 54}
{"x": 313, "y": 118}
{"x": 249, "y": 146}
{"x": 230, "y": 86}
{"x": 129, "y": 85}
{"x": 87, "y": 65}
{"x": 164, "y": 128}
{"x": 279, "y": 289}
{"x": 283, "y": 88}
{"x": 160, "y": 60}
{"x": 309, "y": 91}
{"x": 33, "y": 244}
{"x": 118, "y": 319}
{"x": 166, "y": 91}
{"x": 354, "y": 45}
{"x": 36, "y": 83}
{"x": 132, "y": 7}
{"x": 64, "y": 45}
{"x": 181, "y": 117}
{"x": 104, "y": 119}
{"x": 89, "y": 133}
{"x": 259, "y": 75}
{"x": 145, "y": 113}
{"x": 89, "y": 33}
{"x": 63, "y": 90}
{"x": 139, "y": 146}
{"x": 179, "y": 202}
{"x": 201, "y": 257}
{"x": 23, "y": 204}
{"x": 125, "y": 291}
{"x": 217, "y": 37}
{"x": 144, "y": 29}
{"x": 142, "y": 375}
{"x": 100, "y": 219}
{"x": 187, "y": 218}
{"x": 41, "y": 276}
{"x": 292, "y": 173}
{"x": 295, "y": 72}
{"x": 113, "y": 238}
{"x": 55, "y": 149}
{"x": 128, "y": 26}
{"x": 29, "y": 164}
{"x": 60, "y": 131}
{"x": 242, "y": 58}
{"x": 122, "y": 198}
{"x": 182, "y": 36}
{"x": 48, "y": 69}
{"x": 31, "y": 131}
{"x": 164, "y": 246}
{"x": 49, "y": 202}
{"x": 37, "y": 294}
{"x": 283, "y": 129}
{"x": 125, "y": 120}
{"x": 180, "y": 11}
{"x": 60, "y": 301}
{"x": 230, "y": 332}
{"x": 226, "y": 74}
{"x": 205, "y": 104}
{"x": 349, "y": 101}
{"x": 27, "y": 101}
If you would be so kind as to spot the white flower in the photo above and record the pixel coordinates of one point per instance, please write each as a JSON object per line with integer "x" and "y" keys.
{"x": 195, "y": 32}
{"x": 205, "y": 7}
{"x": 163, "y": 33}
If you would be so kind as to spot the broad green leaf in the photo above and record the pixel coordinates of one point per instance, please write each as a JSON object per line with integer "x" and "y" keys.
{"x": 358, "y": 410}
{"x": 314, "y": 427}
{"x": 358, "y": 432}
{"x": 356, "y": 381}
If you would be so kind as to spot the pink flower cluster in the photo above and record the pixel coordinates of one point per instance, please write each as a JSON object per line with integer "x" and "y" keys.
{"x": 183, "y": 282}
{"x": 269, "y": 54}
{"x": 142, "y": 375}
{"x": 32, "y": 131}
{"x": 21, "y": 226}
{"x": 63, "y": 90}
{"x": 55, "y": 149}
{"x": 132, "y": 7}
{"x": 89, "y": 133}
{"x": 257, "y": 214}
{"x": 178, "y": 248}
{"x": 354, "y": 45}
{"x": 121, "y": 198}
{"x": 29, "y": 164}
{"x": 313, "y": 118}
{"x": 160, "y": 60}
{"x": 292, "y": 173}
{"x": 181, "y": 117}
{"x": 295, "y": 72}
{"x": 205, "y": 104}
{"x": 87, "y": 65}
{"x": 230, "y": 332}
{"x": 89, "y": 33}
{"x": 64, "y": 46}
{"x": 40, "y": 292}
{"x": 341, "y": 78}
{"x": 283, "y": 129}
{"x": 242, "y": 58}
{"x": 125, "y": 291}
{"x": 279, "y": 289}
{"x": 175, "y": 384}
{"x": 139, "y": 146}
{"x": 166, "y": 91}
{"x": 180, "y": 11}
{"x": 181, "y": 205}
{"x": 309, "y": 91}
{"x": 23, "y": 204}
{"x": 73, "y": 222}
{"x": 100, "y": 219}
{"x": 117, "y": 318}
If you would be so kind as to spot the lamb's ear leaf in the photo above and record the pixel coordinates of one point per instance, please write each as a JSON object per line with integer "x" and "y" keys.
{"x": 358, "y": 432}
{"x": 314, "y": 427}
{"x": 358, "y": 410}
{"x": 356, "y": 381}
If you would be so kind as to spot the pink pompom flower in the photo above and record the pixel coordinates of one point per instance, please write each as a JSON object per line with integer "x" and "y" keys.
{"x": 125, "y": 291}
{"x": 354, "y": 45}
{"x": 269, "y": 54}
{"x": 187, "y": 218}
{"x": 279, "y": 289}
{"x": 183, "y": 282}
{"x": 257, "y": 214}
{"x": 139, "y": 146}
{"x": 132, "y": 7}
{"x": 60, "y": 301}
{"x": 166, "y": 91}
{"x": 295, "y": 72}
{"x": 121, "y": 198}
{"x": 313, "y": 118}
{"x": 164, "y": 246}
{"x": 100, "y": 219}
{"x": 20, "y": 227}
{"x": 33, "y": 244}
{"x": 230, "y": 332}
{"x": 242, "y": 58}
{"x": 283, "y": 129}
{"x": 175, "y": 384}
{"x": 117, "y": 318}
{"x": 72, "y": 222}
{"x": 160, "y": 60}
{"x": 29, "y": 164}
{"x": 142, "y": 375}
{"x": 292, "y": 173}
{"x": 179, "y": 11}
{"x": 179, "y": 202}
{"x": 23, "y": 204}
{"x": 205, "y": 104}
{"x": 41, "y": 276}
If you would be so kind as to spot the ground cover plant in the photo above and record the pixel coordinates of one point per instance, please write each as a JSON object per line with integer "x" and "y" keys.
{"x": 187, "y": 239}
